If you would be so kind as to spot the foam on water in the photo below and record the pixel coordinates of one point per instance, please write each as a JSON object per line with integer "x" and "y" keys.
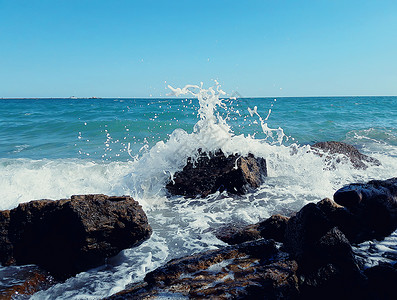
{"x": 181, "y": 226}
{"x": 26, "y": 179}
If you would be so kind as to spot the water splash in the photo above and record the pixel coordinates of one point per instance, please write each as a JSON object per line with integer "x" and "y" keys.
{"x": 211, "y": 132}
{"x": 274, "y": 136}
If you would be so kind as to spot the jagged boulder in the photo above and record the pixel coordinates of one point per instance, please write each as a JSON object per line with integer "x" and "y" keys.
{"x": 68, "y": 236}
{"x": 332, "y": 148}
{"x": 212, "y": 172}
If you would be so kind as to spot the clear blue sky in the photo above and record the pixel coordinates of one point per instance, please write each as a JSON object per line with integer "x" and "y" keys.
{"x": 114, "y": 48}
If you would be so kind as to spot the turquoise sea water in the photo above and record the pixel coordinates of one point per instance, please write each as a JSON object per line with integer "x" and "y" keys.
{"x": 54, "y": 148}
{"x": 102, "y": 128}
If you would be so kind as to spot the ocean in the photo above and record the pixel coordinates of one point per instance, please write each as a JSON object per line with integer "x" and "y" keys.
{"x": 55, "y": 148}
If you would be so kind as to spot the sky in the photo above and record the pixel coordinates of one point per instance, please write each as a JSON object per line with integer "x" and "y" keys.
{"x": 115, "y": 48}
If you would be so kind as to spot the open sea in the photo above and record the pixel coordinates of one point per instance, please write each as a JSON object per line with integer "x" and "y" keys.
{"x": 55, "y": 148}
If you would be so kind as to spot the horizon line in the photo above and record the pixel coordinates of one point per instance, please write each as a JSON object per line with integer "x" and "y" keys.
{"x": 178, "y": 97}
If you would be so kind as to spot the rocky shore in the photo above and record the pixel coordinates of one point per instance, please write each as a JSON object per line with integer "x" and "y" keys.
{"x": 308, "y": 255}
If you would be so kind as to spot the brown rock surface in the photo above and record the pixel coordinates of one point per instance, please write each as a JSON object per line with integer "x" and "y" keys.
{"x": 250, "y": 270}
{"x": 358, "y": 160}
{"x": 68, "y": 236}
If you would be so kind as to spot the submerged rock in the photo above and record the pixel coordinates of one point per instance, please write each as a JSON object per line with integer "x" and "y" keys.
{"x": 215, "y": 172}
{"x": 250, "y": 270}
{"x": 358, "y": 160}
{"x": 18, "y": 282}
{"x": 69, "y": 236}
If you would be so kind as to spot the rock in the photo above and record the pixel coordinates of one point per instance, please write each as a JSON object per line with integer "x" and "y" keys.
{"x": 381, "y": 281}
{"x": 216, "y": 172}
{"x": 249, "y": 270}
{"x": 341, "y": 217}
{"x": 20, "y": 282}
{"x": 68, "y": 236}
{"x": 5, "y": 244}
{"x": 330, "y": 282}
{"x": 274, "y": 228}
{"x": 304, "y": 230}
{"x": 358, "y": 160}
{"x": 233, "y": 234}
{"x": 313, "y": 240}
{"x": 374, "y": 207}
{"x": 327, "y": 266}
{"x": 271, "y": 228}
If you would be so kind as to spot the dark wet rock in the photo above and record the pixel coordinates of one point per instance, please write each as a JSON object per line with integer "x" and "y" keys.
{"x": 20, "y": 282}
{"x": 274, "y": 228}
{"x": 374, "y": 207}
{"x": 381, "y": 281}
{"x": 5, "y": 244}
{"x": 250, "y": 270}
{"x": 234, "y": 234}
{"x": 327, "y": 266}
{"x": 68, "y": 236}
{"x": 341, "y": 217}
{"x": 331, "y": 282}
{"x": 271, "y": 228}
{"x": 304, "y": 230}
{"x": 314, "y": 241}
{"x": 358, "y": 160}
{"x": 216, "y": 172}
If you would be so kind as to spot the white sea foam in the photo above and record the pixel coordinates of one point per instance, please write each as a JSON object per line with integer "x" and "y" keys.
{"x": 23, "y": 180}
